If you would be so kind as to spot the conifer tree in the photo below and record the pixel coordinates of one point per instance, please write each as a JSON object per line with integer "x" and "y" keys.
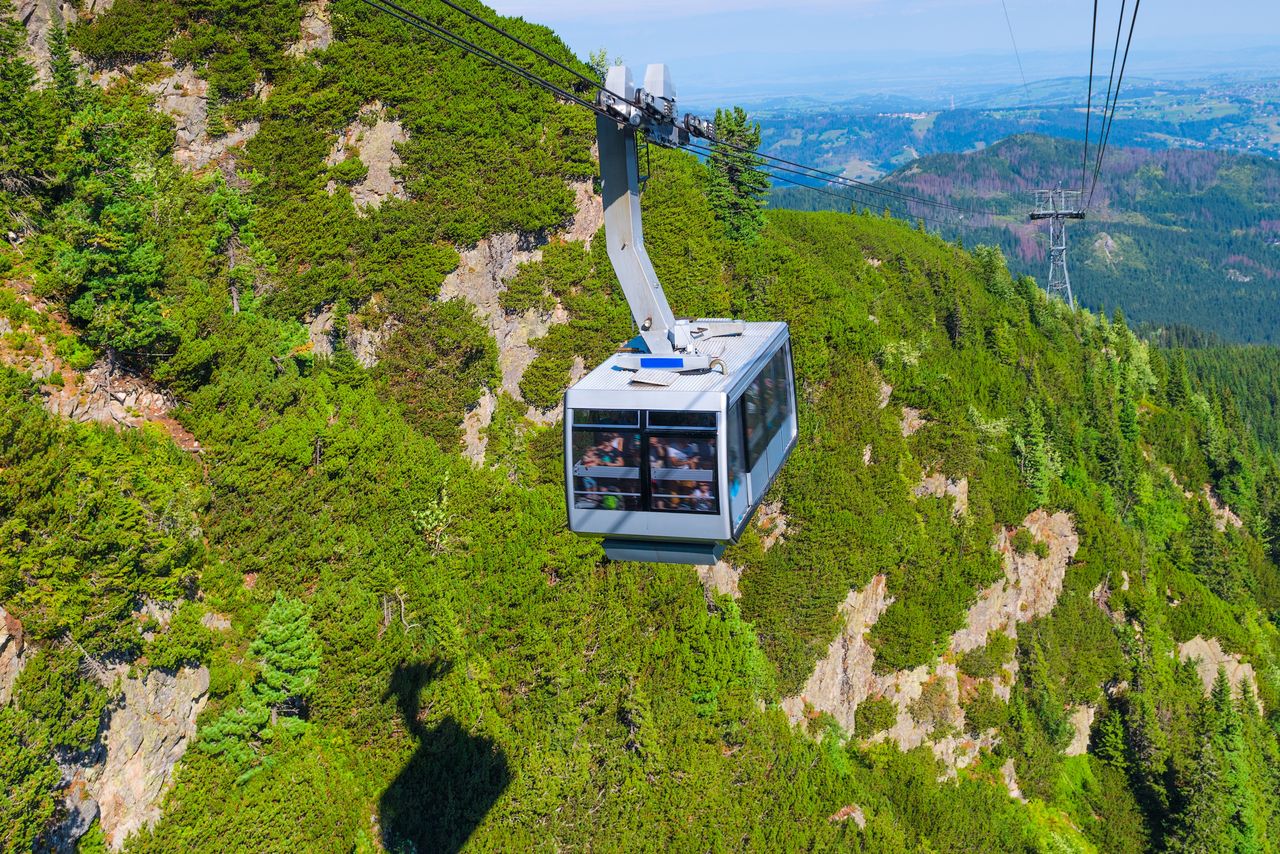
{"x": 289, "y": 653}
{"x": 737, "y": 186}
{"x": 62, "y": 66}
{"x": 1221, "y": 811}
{"x": 1033, "y": 453}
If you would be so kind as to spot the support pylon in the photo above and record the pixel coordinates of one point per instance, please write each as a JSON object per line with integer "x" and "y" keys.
{"x": 1058, "y": 206}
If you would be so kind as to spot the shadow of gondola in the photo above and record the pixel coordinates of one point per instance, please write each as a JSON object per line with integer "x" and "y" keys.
{"x": 450, "y": 783}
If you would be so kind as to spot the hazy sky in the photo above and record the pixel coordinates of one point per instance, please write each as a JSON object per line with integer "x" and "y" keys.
{"x": 871, "y": 45}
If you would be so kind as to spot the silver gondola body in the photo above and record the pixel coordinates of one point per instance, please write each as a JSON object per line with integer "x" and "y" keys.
{"x": 671, "y": 474}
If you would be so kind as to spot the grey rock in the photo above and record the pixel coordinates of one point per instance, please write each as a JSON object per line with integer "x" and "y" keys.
{"x": 13, "y": 654}
{"x": 149, "y": 727}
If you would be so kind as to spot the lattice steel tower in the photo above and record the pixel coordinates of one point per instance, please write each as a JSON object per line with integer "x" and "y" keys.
{"x": 1058, "y": 206}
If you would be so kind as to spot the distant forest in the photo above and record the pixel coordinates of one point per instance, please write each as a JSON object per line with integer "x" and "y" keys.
{"x": 1173, "y": 236}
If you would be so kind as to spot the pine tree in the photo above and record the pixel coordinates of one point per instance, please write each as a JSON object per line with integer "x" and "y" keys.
{"x": 289, "y": 653}
{"x": 1111, "y": 746}
{"x": 1221, "y": 811}
{"x": 63, "y": 67}
{"x": 1033, "y": 453}
{"x": 737, "y": 186}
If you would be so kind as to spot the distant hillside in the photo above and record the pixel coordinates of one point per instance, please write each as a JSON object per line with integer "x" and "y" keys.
{"x": 1173, "y": 236}
{"x": 873, "y": 138}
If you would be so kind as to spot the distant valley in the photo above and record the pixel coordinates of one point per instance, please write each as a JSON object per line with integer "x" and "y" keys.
{"x": 1174, "y": 236}
{"x": 869, "y": 140}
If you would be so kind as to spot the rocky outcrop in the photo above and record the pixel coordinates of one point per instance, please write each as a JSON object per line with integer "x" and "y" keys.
{"x": 122, "y": 399}
{"x": 927, "y": 698}
{"x": 1209, "y": 657}
{"x": 844, "y": 678}
{"x": 368, "y": 331}
{"x": 125, "y": 776}
{"x": 480, "y": 279}
{"x": 13, "y": 654}
{"x": 366, "y": 341}
{"x": 183, "y": 96}
{"x": 372, "y": 137}
{"x": 938, "y": 485}
{"x": 886, "y": 391}
{"x": 912, "y": 421}
{"x": 772, "y": 523}
{"x": 1222, "y": 514}
{"x": 316, "y": 31}
{"x": 1081, "y": 718}
{"x": 850, "y": 812}
{"x": 1031, "y": 585}
{"x": 721, "y": 577}
{"x": 473, "y": 426}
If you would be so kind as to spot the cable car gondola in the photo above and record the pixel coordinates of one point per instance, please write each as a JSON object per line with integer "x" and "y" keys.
{"x": 671, "y": 443}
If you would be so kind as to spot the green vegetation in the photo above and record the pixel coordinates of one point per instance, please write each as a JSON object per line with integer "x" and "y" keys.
{"x": 421, "y": 656}
{"x": 986, "y": 661}
{"x": 875, "y": 714}
{"x": 737, "y": 187}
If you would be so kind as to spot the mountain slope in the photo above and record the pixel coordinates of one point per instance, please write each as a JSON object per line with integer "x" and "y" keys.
{"x": 406, "y": 650}
{"x": 1172, "y": 237}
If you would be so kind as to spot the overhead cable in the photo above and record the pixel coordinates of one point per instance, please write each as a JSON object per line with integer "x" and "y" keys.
{"x": 1016, "y": 54}
{"x": 1111, "y": 120}
{"x": 406, "y": 16}
{"x": 1088, "y": 110}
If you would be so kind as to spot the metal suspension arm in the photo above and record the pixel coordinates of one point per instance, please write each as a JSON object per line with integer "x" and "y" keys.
{"x": 650, "y": 110}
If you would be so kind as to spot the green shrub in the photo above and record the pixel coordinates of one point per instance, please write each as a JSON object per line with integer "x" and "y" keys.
{"x": 232, "y": 74}
{"x": 129, "y": 31}
{"x": 65, "y": 707}
{"x": 873, "y": 715}
{"x": 350, "y": 171}
{"x": 438, "y": 365}
{"x": 986, "y": 661}
{"x": 1023, "y": 542}
{"x": 185, "y": 643}
{"x": 984, "y": 711}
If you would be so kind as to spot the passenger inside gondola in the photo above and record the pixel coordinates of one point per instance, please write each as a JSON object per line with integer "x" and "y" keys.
{"x": 596, "y": 487}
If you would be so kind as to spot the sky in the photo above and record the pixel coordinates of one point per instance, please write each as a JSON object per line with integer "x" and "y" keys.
{"x": 823, "y": 48}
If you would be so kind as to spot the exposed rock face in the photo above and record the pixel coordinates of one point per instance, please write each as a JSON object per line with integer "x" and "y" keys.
{"x": 927, "y": 698}
{"x": 844, "y": 678}
{"x": 481, "y": 277}
{"x": 13, "y": 654}
{"x": 721, "y": 577}
{"x": 590, "y": 213}
{"x": 886, "y": 391}
{"x": 772, "y": 523}
{"x": 1010, "y": 775}
{"x": 473, "y": 425}
{"x": 148, "y": 730}
{"x": 1209, "y": 656}
{"x": 1031, "y": 584}
{"x": 182, "y": 96}
{"x": 374, "y": 138}
{"x": 938, "y": 485}
{"x": 1082, "y": 724}
{"x": 912, "y": 421}
{"x": 1222, "y": 514}
{"x": 317, "y": 29}
{"x": 852, "y": 811}
{"x": 123, "y": 400}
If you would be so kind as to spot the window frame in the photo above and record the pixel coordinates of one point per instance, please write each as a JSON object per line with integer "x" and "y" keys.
{"x": 644, "y": 431}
